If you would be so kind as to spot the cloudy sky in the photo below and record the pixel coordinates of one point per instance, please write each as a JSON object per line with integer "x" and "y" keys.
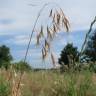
{"x": 17, "y": 18}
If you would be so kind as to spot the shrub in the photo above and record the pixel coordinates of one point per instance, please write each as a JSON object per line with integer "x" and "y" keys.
{"x": 92, "y": 67}
{"x": 4, "y": 87}
{"x": 21, "y": 66}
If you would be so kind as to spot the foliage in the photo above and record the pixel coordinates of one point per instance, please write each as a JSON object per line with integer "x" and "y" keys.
{"x": 37, "y": 83}
{"x": 4, "y": 87}
{"x": 5, "y": 56}
{"x": 68, "y": 55}
{"x": 67, "y": 84}
{"x": 22, "y": 66}
{"x": 92, "y": 67}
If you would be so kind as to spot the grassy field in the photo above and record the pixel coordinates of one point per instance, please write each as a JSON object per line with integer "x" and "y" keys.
{"x": 49, "y": 83}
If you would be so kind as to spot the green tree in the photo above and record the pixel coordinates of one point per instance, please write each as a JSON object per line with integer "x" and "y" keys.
{"x": 90, "y": 49}
{"x": 69, "y": 55}
{"x": 5, "y": 57}
{"x": 22, "y": 66}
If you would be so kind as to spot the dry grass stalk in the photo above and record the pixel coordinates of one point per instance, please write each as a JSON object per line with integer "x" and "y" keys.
{"x": 66, "y": 24}
{"x": 53, "y": 59}
{"x": 38, "y": 39}
{"x": 47, "y": 45}
{"x": 51, "y": 13}
{"x": 57, "y": 20}
{"x": 44, "y": 53}
{"x": 41, "y": 32}
{"x": 12, "y": 78}
{"x": 54, "y": 28}
{"x": 54, "y": 18}
{"x": 49, "y": 34}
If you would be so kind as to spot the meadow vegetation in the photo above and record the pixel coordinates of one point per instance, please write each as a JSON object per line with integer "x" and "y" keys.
{"x": 75, "y": 77}
{"x": 49, "y": 83}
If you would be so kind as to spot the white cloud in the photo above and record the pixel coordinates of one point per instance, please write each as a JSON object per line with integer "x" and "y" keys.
{"x": 31, "y": 53}
{"x": 21, "y": 40}
{"x": 80, "y": 12}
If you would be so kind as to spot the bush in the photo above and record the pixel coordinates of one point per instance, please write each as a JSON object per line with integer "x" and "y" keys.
{"x": 21, "y": 66}
{"x": 92, "y": 67}
{"x": 6, "y": 65}
{"x": 4, "y": 87}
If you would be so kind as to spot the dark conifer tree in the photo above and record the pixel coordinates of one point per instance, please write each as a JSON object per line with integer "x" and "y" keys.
{"x": 5, "y": 56}
{"x": 69, "y": 52}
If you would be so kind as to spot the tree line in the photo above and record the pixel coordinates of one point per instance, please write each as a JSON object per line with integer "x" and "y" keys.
{"x": 6, "y": 60}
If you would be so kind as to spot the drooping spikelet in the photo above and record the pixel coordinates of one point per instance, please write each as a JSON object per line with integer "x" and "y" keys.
{"x": 66, "y": 23}
{"x": 38, "y": 39}
{"x": 58, "y": 18}
{"x": 47, "y": 45}
{"x": 44, "y": 53}
{"x": 54, "y": 18}
{"x": 41, "y": 32}
{"x": 53, "y": 59}
{"x": 49, "y": 34}
{"x": 51, "y": 13}
{"x": 54, "y": 28}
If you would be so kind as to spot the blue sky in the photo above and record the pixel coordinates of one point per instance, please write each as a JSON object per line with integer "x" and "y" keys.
{"x": 17, "y": 19}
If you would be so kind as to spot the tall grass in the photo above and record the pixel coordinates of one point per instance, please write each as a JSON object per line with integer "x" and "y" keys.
{"x": 50, "y": 83}
{"x": 5, "y": 89}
